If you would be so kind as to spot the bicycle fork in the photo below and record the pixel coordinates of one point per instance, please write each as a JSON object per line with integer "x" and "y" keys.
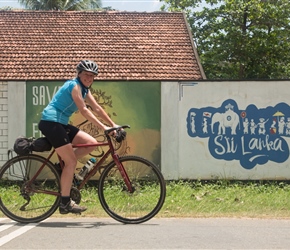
{"x": 123, "y": 173}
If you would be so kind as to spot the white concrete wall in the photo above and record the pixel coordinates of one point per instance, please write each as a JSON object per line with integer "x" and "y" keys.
{"x": 196, "y": 155}
{"x": 16, "y": 111}
{"x": 3, "y": 122}
{"x": 199, "y": 155}
{"x": 170, "y": 130}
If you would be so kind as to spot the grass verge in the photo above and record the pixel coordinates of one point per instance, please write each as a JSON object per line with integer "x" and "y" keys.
{"x": 227, "y": 199}
{"x": 214, "y": 199}
{"x": 211, "y": 199}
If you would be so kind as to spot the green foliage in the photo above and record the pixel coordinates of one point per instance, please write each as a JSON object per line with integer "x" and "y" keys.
{"x": 239, "y": 39}
{"x": 66, "y": 5}
{"x": 220, "y": 198}
{"x": 224, "y": 198}
{"x": 6, "y": 8}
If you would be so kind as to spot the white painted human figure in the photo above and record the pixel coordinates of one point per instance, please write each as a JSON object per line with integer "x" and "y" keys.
{"x": 261, "y": 125}
{"x": 204, "y": 126}
{"x": 288, "y": 126}
{"x": 252, "y": 127}
{"x": 192, "y": 121}
{"x": 281, "y": 125}
{"x": 246, "y": 126}
{"x": 273, "y": 127}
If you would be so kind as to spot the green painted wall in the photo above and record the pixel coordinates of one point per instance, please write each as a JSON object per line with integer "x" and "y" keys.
{"x": 133, "y": 103}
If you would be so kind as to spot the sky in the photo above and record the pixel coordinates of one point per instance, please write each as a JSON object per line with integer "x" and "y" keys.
{"x": 122, "y": 5}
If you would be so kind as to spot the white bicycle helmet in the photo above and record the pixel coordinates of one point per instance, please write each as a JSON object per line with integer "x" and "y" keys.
{"x": 87, "y": 65}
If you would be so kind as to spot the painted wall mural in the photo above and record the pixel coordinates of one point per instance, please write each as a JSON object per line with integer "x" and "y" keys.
{"x": 133, "y": 103}
{"x": 253, "y": 136}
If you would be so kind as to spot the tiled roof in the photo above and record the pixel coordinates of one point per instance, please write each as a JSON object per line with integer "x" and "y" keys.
{"x": 47, "y": 45}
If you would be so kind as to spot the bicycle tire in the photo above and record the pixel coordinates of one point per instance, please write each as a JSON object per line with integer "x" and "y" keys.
{"x": 148, "y": 196}
{"x": 23, "y": 203}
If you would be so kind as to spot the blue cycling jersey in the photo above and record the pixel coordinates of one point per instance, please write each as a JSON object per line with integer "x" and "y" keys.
{"x": 62, "y": 105}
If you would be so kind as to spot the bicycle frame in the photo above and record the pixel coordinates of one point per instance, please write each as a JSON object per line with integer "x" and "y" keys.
{"x": 32, "y": 189}
{"x": 111, "y": 151}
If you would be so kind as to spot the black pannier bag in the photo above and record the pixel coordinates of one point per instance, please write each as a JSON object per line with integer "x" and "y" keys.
{"x": 41, "y": 144}
{"x": 24, "y": 145}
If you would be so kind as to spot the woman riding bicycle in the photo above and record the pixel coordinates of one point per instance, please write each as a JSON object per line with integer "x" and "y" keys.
{"x": 54, "y": 125}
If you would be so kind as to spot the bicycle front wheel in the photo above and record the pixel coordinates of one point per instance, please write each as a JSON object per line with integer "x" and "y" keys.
{"x": 147, "y": 197}
{"x": 24, "y": 200}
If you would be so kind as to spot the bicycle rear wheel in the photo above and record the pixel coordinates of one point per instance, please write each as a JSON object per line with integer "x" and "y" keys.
{"x": 147, "y": 198}
{"x": 27, "y": 202}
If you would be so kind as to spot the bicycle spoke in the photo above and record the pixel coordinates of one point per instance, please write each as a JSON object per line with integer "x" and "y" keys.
{"x": 24, "y": 200}
{"x": 148, "y": 193}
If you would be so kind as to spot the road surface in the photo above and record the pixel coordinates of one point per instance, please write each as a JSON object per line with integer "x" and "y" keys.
{"x": 176, "y": 233}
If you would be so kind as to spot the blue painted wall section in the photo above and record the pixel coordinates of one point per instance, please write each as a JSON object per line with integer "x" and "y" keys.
{"x": 252, "y": 136}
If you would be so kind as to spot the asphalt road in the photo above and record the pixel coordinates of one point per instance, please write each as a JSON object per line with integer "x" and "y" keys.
{"x": 104, "y": 233}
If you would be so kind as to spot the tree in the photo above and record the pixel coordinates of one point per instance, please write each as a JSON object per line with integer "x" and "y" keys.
{"x": 6, "y": 8}
{"x": 67, "y": 5}
{"x": 239, "y": 39}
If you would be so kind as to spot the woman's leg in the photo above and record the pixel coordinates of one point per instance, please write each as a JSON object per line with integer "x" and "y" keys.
{"x": 59, "y": 136}
{"x": 67, "y": 154}
{"x": 70, "y": 157}
{"x": 83, "y": 138}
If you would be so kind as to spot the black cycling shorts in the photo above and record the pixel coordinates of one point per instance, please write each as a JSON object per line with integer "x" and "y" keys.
{"x": 57, "y": 133}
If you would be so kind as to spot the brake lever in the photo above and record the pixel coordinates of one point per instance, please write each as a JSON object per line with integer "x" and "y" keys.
{"x": 108, "y": 131}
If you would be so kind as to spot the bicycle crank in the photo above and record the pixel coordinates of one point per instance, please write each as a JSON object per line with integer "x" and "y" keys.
{"x": 75, "y": 195}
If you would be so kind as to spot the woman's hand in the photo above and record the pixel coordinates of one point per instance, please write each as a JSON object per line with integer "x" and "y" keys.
{"x": 113, "y": 133}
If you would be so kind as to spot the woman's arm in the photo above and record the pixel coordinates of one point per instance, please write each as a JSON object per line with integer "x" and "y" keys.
{"x": 78, "y": 99}
{"x": 99, "y": 110}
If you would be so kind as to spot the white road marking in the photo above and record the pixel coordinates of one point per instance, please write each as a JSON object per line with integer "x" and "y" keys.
{"x": 6, "y": 226}
{"x": 16, "y": 233}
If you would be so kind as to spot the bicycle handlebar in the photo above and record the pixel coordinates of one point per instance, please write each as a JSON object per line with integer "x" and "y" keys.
{"x": 108, "y": 131}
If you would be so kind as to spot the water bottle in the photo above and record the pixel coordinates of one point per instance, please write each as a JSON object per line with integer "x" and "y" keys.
{"x": 86, "y": 168}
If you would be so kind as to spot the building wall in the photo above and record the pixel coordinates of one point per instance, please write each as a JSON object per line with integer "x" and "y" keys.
{"x": 12, "y": 115}
{"x": 3, "y": 122}
{"x": 194, "y": 144}
{"x": 16, "y": 112}
{"x": 133, "y": 103}
{"x": 225, "y": 130}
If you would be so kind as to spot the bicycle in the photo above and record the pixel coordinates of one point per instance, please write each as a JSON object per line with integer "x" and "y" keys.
{"x": 131, "y": 189}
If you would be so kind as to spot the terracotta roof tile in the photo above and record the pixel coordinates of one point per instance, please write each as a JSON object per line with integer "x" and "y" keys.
{"x": 126, "y": 45}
